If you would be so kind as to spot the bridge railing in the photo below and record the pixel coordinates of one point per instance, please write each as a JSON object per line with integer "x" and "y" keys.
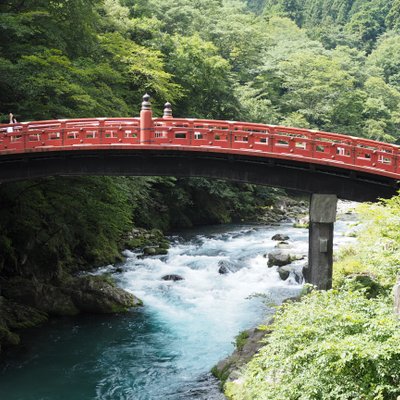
{"x": 323, "y": 147}
{"x": 203, "y": 135}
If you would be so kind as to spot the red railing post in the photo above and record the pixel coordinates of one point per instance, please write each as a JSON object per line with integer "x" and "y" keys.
{"x": 271, "y": 138}
{"x": 101, "y": 131}
{"x": 63, "y": 132}
{"x": 24, "y": 133}
{"x": 230, "y": 134}
{"x": 146, "y": 121}
{"x": 396, "y": 161}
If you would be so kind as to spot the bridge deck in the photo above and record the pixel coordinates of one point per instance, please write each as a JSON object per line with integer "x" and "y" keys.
{"x": 198, "y": 135}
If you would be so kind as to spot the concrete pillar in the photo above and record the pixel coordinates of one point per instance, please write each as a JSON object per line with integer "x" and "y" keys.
{"x": 397, "y": 298}
{"x": 320, "y": 240}
{"x": 146, "y": 121}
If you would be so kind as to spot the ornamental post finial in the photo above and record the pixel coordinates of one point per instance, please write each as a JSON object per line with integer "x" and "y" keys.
{"x": 167, "y": 110}
{"x": 146, "y": 105}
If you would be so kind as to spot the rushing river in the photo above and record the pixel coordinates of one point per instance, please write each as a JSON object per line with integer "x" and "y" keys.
{"x": 165, "y": 349}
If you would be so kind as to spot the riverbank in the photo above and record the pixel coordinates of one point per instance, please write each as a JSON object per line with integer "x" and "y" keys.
{"x": 26, "y": 302}
{"x": 339, "y": 343}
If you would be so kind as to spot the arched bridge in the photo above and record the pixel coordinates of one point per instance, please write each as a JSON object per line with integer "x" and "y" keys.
{"x": 326, "y": 165}
{"x": 300, "y": 159}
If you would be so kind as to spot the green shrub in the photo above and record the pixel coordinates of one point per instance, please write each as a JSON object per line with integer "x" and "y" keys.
{"x": 332, "y": 345}
{"x": 241, "y": 339}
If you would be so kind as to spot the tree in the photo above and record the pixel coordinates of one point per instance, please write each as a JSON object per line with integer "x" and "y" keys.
{"x": 204, "y": 75}
{"x": 368, "y": 23}
{"x": 386, "y": 58}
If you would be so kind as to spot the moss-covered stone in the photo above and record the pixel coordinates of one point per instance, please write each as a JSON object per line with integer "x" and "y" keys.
{"x": 222, "y": 374}
{"x": 46, "y": 297}
{"x": 150, "y": 242}
{"x": 16, "y": 316}
{"x": 247, "y": 345}
{"x": 94, "y": 294}
{"x": 8, "y": 338}
{"x": 241, "y": 339}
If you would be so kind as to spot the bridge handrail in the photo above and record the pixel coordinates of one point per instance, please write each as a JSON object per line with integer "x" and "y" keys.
{"x": 317, "y": 147}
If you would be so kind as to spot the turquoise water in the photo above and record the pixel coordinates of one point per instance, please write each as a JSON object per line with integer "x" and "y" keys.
{"x": 166, "y": 349}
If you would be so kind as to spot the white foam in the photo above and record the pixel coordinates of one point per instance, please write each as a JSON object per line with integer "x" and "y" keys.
{"x": 206, "y": 303}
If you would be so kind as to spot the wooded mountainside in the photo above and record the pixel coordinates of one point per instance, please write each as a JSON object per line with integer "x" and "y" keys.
{"x": 331, "y": 65}
{"x": 313, "y": 63}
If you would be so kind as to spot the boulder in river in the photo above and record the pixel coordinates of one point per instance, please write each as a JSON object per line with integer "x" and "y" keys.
{"x": 229, "y": 368}
{"x": 279, "y": 258}
{"x": 98, "y": 294}
{"x": 280, "y": 237}
{"x": 95, "y": 294}
{"x": 149, "y": 251}
{"x": 172, "y": 277}
{"x": 226, "y": 267}
{"x": 295, "y": 270}
{"x": 42, "y": 296}
{"x": 284, "y": 272}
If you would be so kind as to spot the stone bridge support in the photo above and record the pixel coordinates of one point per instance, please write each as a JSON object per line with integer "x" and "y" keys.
{"x": 396, "y": 291}
{"x": 320, "y": 250}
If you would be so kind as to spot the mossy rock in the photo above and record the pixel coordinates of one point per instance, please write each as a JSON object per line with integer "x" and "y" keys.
{"x": 8, "y": 338}
{"x": 144, "y": 239}
{"x": 45, "y": 297}
{"x": 149, "y": 251}
{"x": 160, "y": 251}
{"x": 165, "y": 245}
{"x": 94, "y": 294}
{"x": 18, "y": 316}
{"x": 222, "y": 374}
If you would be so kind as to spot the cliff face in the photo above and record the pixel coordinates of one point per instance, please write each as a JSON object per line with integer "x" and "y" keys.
{"x": 28, "y": 302}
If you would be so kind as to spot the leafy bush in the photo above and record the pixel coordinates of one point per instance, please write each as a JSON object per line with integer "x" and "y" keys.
{"x": 332, "y": 345}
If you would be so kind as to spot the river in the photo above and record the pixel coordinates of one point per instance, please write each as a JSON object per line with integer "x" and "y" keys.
{"x": 165, "y": 349}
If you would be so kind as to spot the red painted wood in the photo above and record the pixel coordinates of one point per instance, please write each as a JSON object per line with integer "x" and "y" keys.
{"x": 338, "y": 150}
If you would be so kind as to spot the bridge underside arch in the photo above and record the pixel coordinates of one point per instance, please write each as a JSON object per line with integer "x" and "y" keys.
{"x": 287, "y": 174}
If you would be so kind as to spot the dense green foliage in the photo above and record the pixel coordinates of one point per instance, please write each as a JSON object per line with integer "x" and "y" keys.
{"x": 378, "y": 249}
{"x": 333, "y": 345}
{"x": 53, "y": 225}
{"x": 323, "y": 64}
{"x": 48, "y": 224}
{"x": 344, "y": 343}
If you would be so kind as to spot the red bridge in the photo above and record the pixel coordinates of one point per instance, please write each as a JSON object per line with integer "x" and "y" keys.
{"x": 300, "y": 159}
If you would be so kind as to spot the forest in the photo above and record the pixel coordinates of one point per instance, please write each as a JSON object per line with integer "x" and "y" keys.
{"x": 330, "y": 65}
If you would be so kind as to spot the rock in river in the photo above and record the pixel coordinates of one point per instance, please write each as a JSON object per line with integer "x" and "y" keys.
{"x": 280, "y": 237}
{"x": 279, "y": 258}
{"x": 225, "y": 267}
{"x": 172, "y": 277}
